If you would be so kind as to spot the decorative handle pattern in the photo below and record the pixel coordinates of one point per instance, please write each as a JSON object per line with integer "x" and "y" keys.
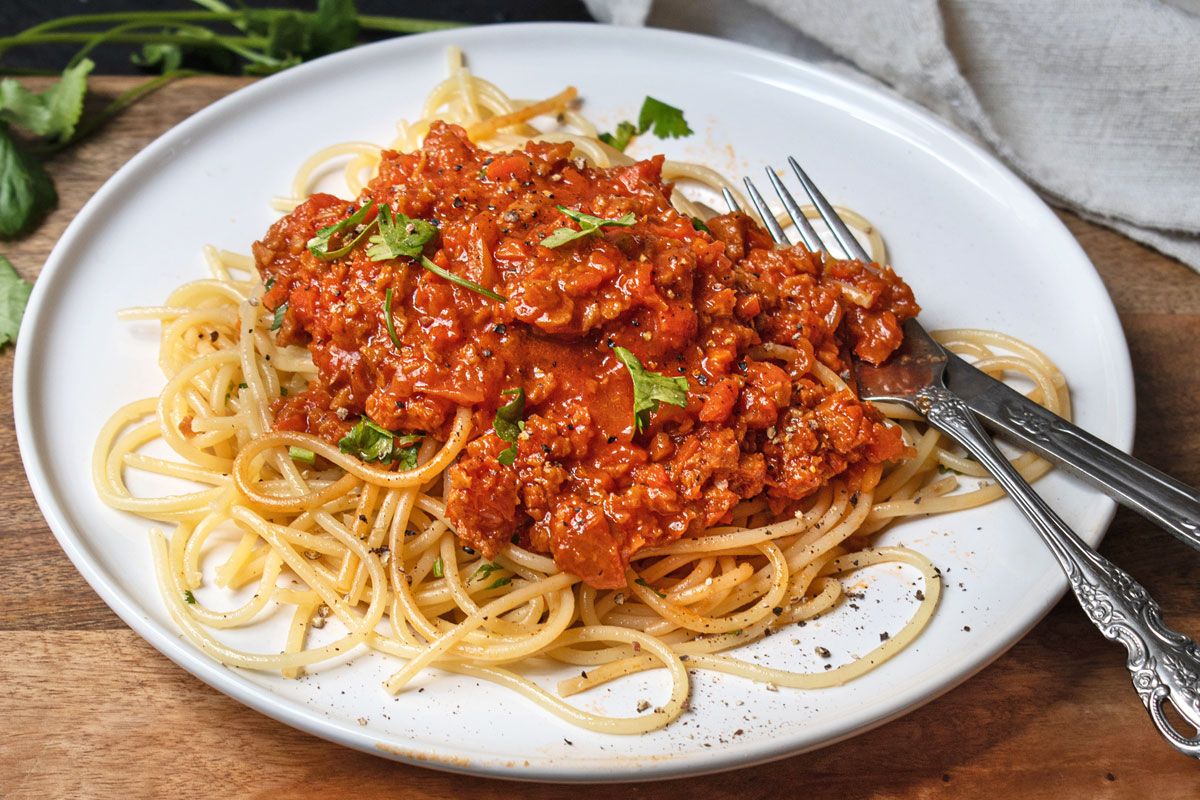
{"x": 1164, "y": 664}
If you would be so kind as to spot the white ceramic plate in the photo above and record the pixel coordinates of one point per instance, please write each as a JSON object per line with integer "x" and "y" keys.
{"x": 977, "y": 246}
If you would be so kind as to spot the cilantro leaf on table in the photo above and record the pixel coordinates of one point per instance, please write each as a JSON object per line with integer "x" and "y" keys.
{"x": 52, "y": 113}
{"x": 26, "y": 191}
{"x": 651, "y": 388}
{"x": 14, "y": 296}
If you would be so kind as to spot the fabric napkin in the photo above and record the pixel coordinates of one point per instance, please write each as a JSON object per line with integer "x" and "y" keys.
{"x": 1096, "y": 103}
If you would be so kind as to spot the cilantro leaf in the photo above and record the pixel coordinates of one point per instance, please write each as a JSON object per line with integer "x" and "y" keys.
{"x": 277, "y": 322}
{"x": 651, "y": 388}
{"x": 496, "y": 584}
{"x": 303, "y": 455}
{"x": 665, "y": 121}
{"x": 318, "y": 245}
{"x": 165, "y": 57}
{"x": 26, "y": 191}
{"x": 52, "y": 113}
{"x": 508, "y": 424}
{"x": 485, "y": 569}
{"x": 399, "y": 236}
{"x": 188, "y": 597}
{"x": 463, "y": 282}
{"x": 368, "y": 441}
{"x": 406, "y": 457}
{"x": 698, "y": 224}
{"x": 14, "y": 294}
{"x": 588, "y": 224}
{"x": 621, "y": 137}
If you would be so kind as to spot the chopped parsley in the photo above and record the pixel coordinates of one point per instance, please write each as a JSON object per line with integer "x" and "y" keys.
{"x": 663, "y": 120}
{"x": 588, "y": 225}
{"x": 369, "y": 441}
{"x": 463, "y": 282}
{"x": 621, "y": 137}
{"x": 302, "y": 454}
{"x": 188, "y": 597}
{"x": 698, "y": 224}
{"x": 651, "y": 388}
{"x": 642, "y": 582}
{"x": 277, "y": 322}
{"x": 496, "y": 584}
{"x": 439, "y": 570}
{"x": 508, "y": 424}
{"x": 485, "y": 569}
{"x": 319, "y": 245}
{"x": 387, "y": 319}
{"x": 399, "y": 236}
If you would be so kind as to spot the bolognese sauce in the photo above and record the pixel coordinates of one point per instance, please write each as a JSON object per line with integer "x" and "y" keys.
{"x": 744, "y": 323}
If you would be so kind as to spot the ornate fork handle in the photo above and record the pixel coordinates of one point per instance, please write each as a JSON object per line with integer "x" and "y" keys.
{"x": 1164, "y": 664}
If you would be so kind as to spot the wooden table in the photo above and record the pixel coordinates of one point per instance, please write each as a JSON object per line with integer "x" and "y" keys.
{"x": 88, "y": 709}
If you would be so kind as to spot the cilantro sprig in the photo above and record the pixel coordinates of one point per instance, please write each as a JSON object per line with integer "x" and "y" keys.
{"x": 662, "y": 119}
{"x": 588, "y": 225}
{"x": 319, "y": 245}
{"x": 651, "y": 388}
{"x": 509, "y": 423}
{"x": 14, "y": 295}
{"x": 369, "y": 441}
{"x": 399, "y": 235}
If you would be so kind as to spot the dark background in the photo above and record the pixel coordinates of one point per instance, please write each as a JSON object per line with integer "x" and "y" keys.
{"x": 17, "y": 15}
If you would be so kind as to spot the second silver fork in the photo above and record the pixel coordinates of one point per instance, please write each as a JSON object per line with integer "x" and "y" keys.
{"x": 1164, "y": 664}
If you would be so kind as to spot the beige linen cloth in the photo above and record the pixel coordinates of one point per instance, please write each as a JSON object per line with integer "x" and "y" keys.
{"x": 1095, "y": 102}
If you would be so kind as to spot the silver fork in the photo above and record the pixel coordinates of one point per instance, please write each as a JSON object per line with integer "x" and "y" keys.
{"x": 1164, "y": 664}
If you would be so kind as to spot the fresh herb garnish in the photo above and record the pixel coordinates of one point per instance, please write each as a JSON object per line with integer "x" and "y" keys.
{"x": 439, "y": 571}
{"x": 188, "y": 597}
{"x": 387, "y": 319}
{"x": 508, "y": 424}
{"x": 399, "y": 236}
{"x": 463, "y": 282}
{"x": 26, "y": 191}
{"x": 270, "y": 282}
{"x": 53, "y": 113}
{"x": 302, "y": 454}
{"x": 642, "y": 582}
{"x": 485, "y": 569}
{"x": 698, "y": 224}
{"x": 664, "y": 121}
{"x": 14, "y": 295}
{"x": 649, "y": 388}
{"x": 621, "y": 137}
{"x": 496, "y": 584}
{"x": 318, "y": 245}
{"x": 588, "y": 225}
{"x": 277, "y": 322}
{"x": 406, "y": 456}
{"x": 369, "y": 441}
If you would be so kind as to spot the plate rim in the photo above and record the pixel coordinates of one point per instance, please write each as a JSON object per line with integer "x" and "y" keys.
{"x": 462, "y": 760}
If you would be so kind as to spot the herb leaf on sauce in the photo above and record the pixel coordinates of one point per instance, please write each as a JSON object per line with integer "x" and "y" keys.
{"x": 588, "y": 224}
{"x": 369, "y": 441}
{"x": 508, "y": 424}
{"x": 698, "y": 224}
{"x": 651, "y": 388}
{"x": 399, "y": 236}
{"x": 277, "y": 322}
{"x": 387, "y": 319}
{"x": 463, "y": 282}
{"x": 14, "y": 295}
{"x": 318, "y": 245}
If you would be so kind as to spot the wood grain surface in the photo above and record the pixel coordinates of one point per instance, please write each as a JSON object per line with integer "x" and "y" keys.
{"x": 87, "y": 709}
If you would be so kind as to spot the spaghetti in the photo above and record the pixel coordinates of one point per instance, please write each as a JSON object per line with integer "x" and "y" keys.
{"x": 371, "y": 549}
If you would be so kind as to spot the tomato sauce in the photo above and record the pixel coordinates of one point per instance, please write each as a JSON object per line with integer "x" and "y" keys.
{"x": 586, "y": 486}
